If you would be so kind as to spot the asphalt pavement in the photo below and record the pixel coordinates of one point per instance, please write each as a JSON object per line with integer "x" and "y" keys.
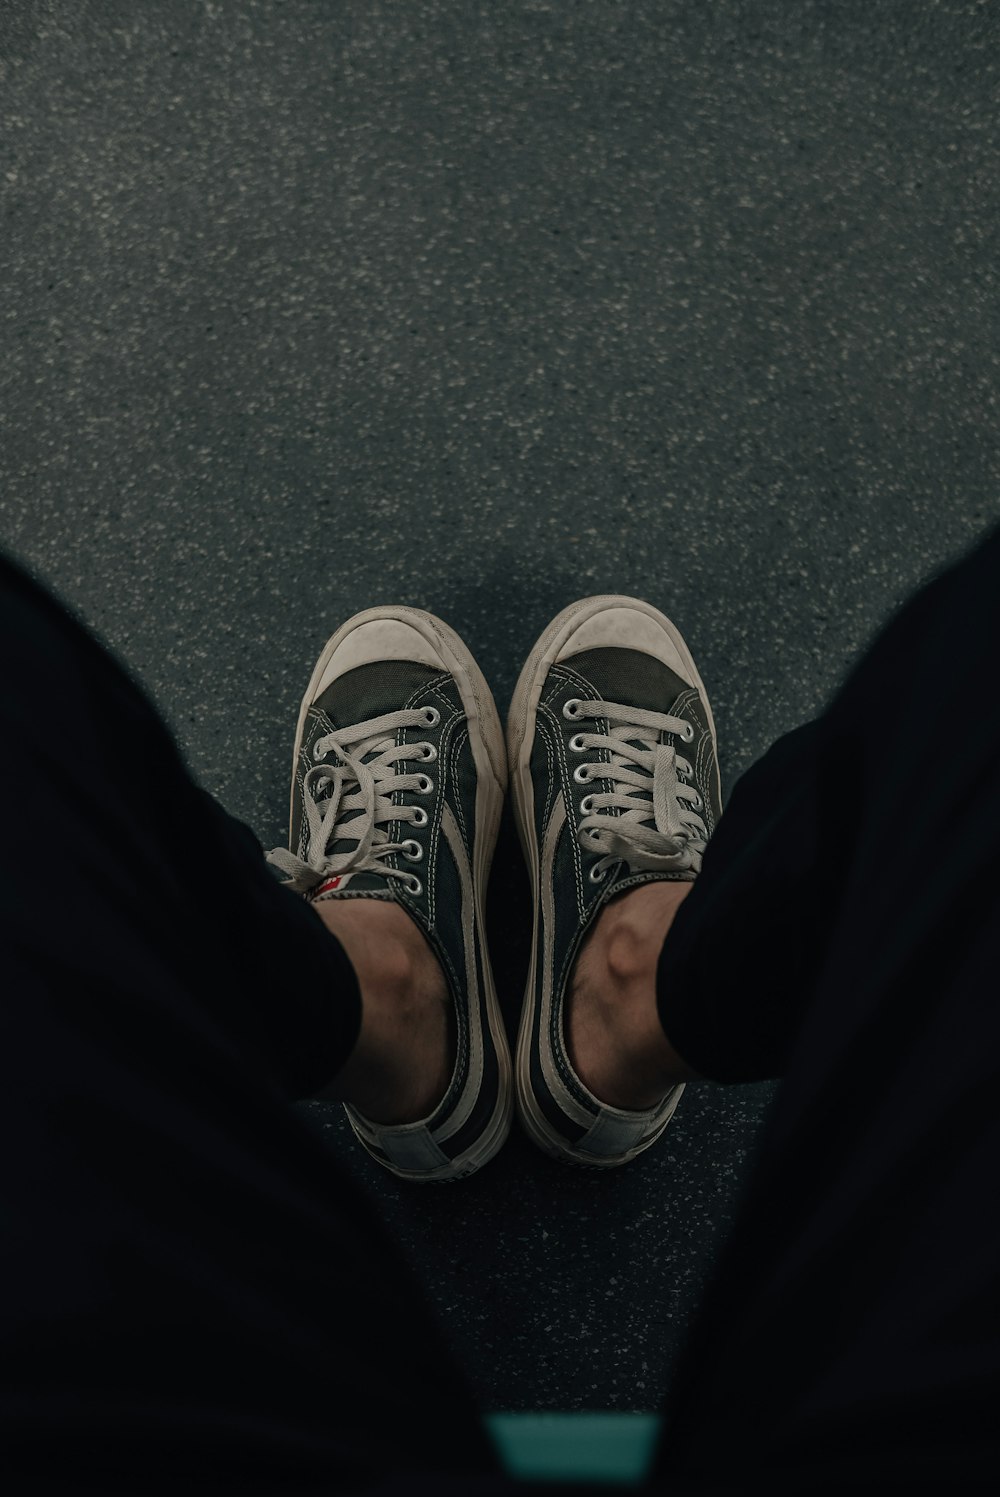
{"x": 483, "y": 309}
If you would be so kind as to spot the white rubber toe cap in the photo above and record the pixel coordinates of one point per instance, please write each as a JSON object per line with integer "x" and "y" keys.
{"x": 626, "y": 628}
{"x": 378, "y": 639}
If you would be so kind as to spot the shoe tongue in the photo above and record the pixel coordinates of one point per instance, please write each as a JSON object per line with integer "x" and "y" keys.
{"x": 633, "y": 791}
{"x": 367, "y": 692}
{"x": 358, "y": 883}
{"x": 631, "y": 676}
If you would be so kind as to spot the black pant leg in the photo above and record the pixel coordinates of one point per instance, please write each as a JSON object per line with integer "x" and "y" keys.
{"x": 845, "y": 934}
{"x": 194, "y": 1296}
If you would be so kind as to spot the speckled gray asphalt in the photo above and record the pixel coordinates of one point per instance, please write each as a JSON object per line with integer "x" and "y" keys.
{"x": 484, "y": 309}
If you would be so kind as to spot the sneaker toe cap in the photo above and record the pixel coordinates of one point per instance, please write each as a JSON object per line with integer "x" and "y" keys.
{"x": 379, "y": 639}
{"x": 621, "y": 627}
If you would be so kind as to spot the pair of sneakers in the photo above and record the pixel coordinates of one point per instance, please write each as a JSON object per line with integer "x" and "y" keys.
{"x": 399, "y": 773}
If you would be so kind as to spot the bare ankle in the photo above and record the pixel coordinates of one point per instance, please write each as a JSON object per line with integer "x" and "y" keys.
{"x": 404, "y": 1057}
{"x": 614, "y": 1036}
{"x": 384, "y": 945}
{"x": 633, "y": 926}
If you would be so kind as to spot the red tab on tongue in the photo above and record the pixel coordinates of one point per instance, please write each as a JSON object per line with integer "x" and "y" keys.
{"x": 365, "y": 882}
{"x": 330, "y": 886}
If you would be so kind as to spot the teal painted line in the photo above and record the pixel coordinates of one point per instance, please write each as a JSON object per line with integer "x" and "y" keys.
{"x": 579, "y": 1446}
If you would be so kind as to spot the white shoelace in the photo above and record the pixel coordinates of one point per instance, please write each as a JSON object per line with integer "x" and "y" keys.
{"x": 360, "y": 812}
{"x": 678, "y": 836}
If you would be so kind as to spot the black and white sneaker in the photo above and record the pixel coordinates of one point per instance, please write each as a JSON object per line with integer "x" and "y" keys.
{"x": 398, "y": 778}
{"x": 615, "y": 783}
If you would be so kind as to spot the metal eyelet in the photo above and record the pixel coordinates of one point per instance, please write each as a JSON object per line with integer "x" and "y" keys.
{"x": 576, "y": 743}
{"x": 420, "y": 817}
{"x": 688, "y": 733}
{"x": 595, "y": 877}
{"x": 697, "y": 803}
{"x": 569, "y": 707}
{"x": 431, "y": 753}
{"x": 416, "y": 854}
{"x": 415, "y": 888}
{"x": 586, "y": 805}
{"x": 426, "y": 785}
{"x": 580, "y": 774}
{"x": 432, "y": 716}
{"x": 317, "y": 754}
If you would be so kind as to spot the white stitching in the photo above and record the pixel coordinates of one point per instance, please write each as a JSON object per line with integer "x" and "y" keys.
{"x": 434, "y": 689}
{"x": 570, "y": 809}
{"x": 458, "y": 744}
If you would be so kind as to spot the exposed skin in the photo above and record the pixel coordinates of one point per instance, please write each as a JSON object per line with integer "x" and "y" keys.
{"x": 402, "y": 1062}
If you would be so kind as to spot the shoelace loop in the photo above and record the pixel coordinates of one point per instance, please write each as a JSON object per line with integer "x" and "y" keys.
{"x": 678, "y": 836}
{"x": 360, "y": 812}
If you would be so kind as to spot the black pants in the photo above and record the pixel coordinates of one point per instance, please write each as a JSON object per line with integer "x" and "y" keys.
{"x": 196, "y": 1298}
